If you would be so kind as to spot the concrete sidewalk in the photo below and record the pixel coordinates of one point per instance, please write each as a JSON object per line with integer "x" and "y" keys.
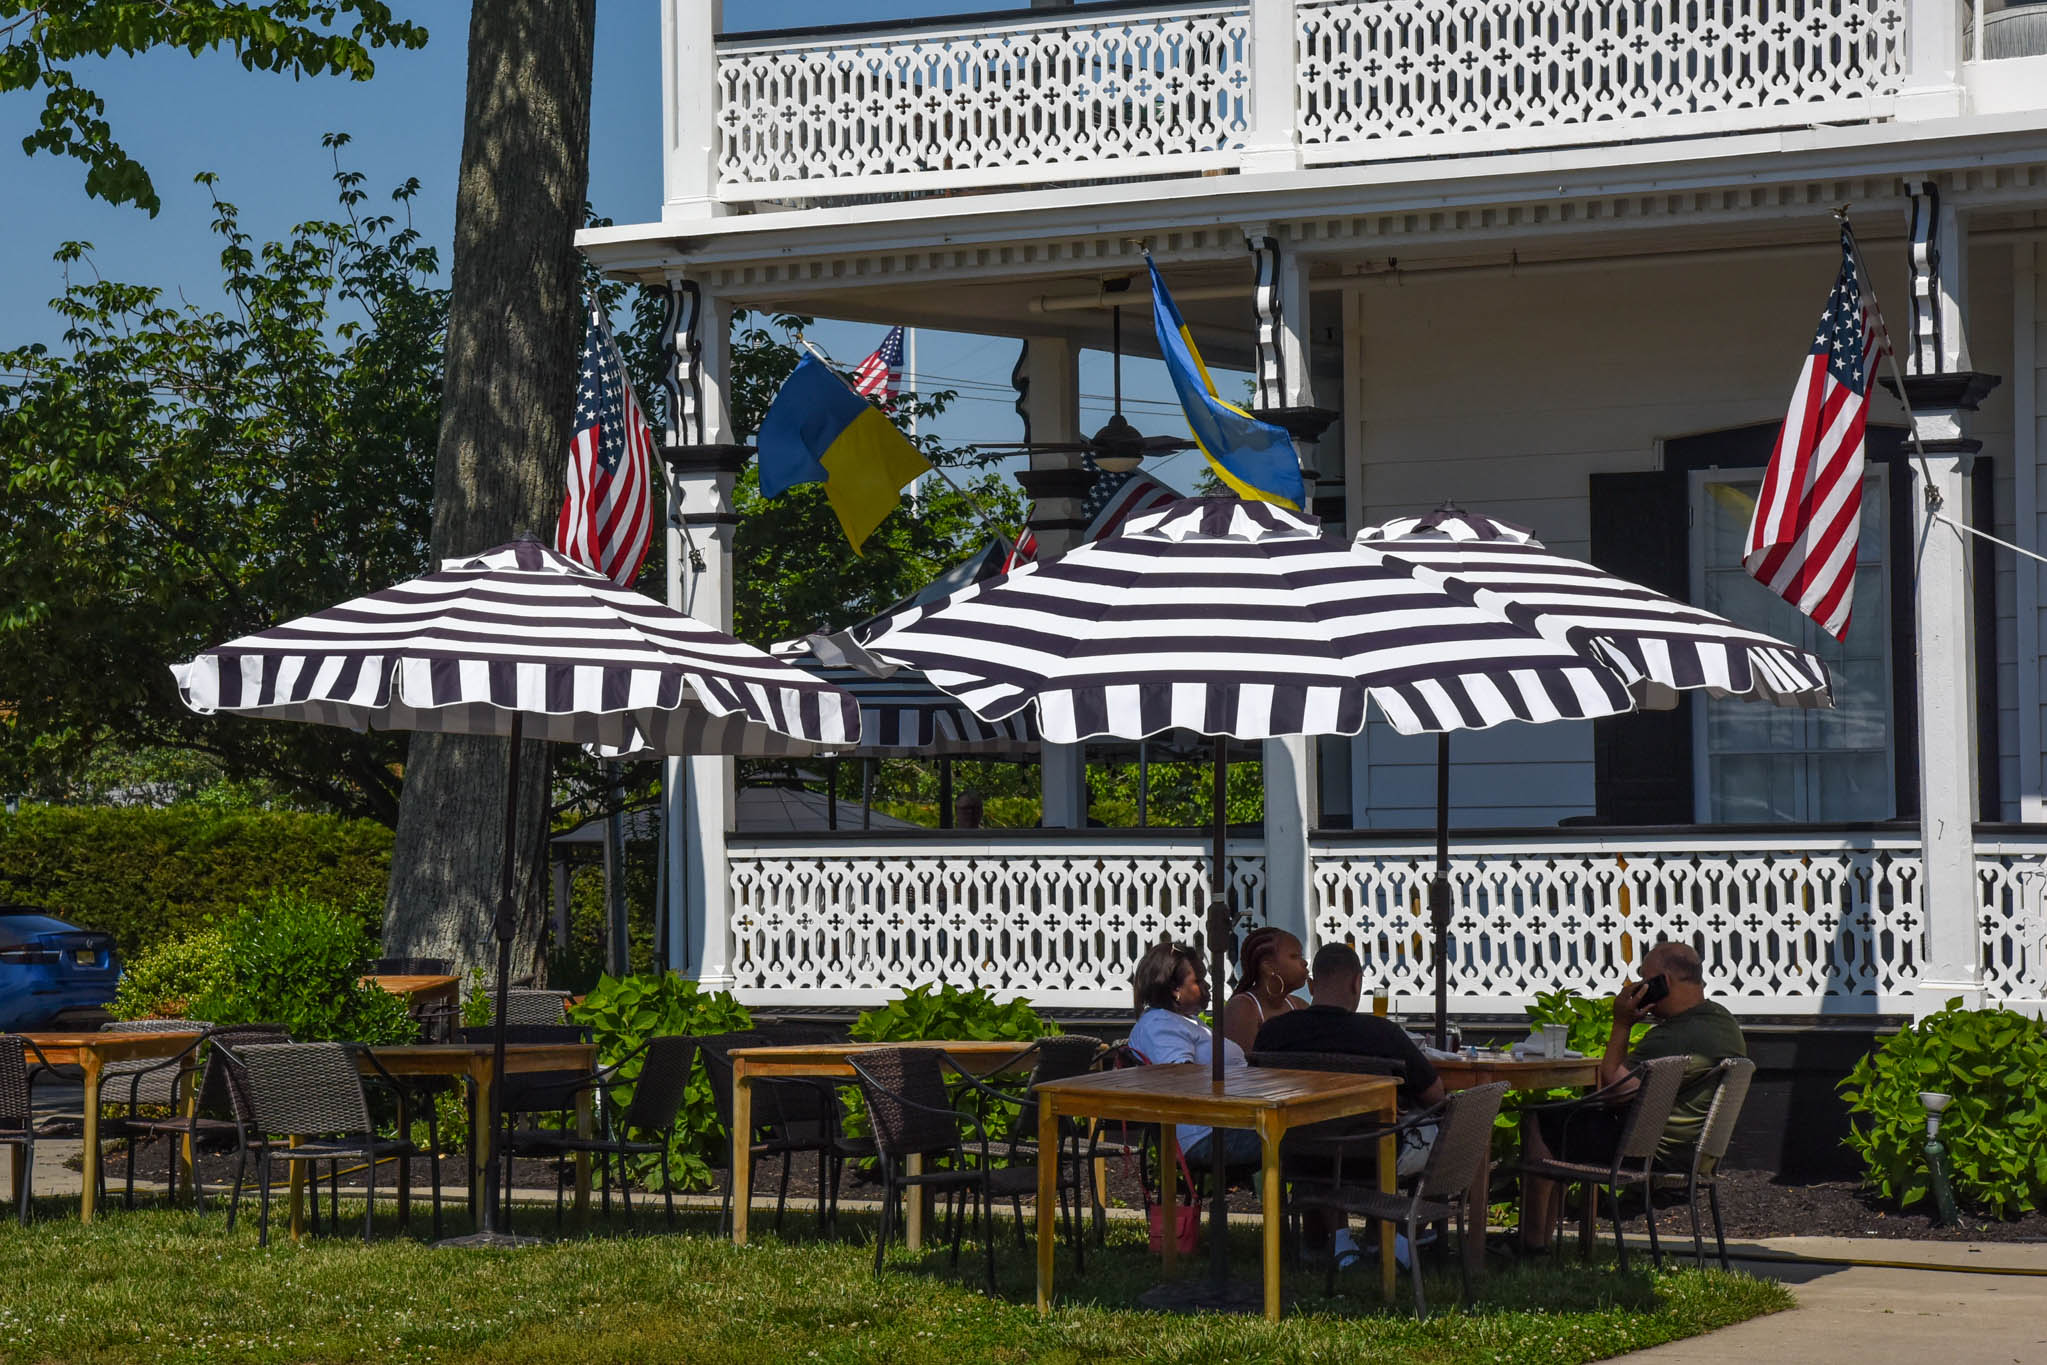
{"x": 1990, "y": 1310}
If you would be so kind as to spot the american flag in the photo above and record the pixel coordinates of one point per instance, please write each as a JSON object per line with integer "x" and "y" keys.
{"x": 881, "y": 374}
{"x": 1801, "y": 542}
{"x": 1024, "y": 551}
{"x": 607, "y": 518}
{"x": 1116, "y": 498}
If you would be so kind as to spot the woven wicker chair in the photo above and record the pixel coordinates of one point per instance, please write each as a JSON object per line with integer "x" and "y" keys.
{"x": 912, "y": 1112}
{"x": 213, "y": 1117}
{"x": 531, "y": 1007}
{"x": 644, "y": 1126}
{"x": 1730, "y": 1092}
{"x": 1058, "y": 1058}
{"x": 314, "y": 1092}
{"x": 1634, "y": 1157}
{"x": 1461, "y": 1152}
{"x": 19, "y": 1058}
{"x": 408, "y": 966}
{"x": 790, "y": 1117}
{"x": 531, "y": 1094}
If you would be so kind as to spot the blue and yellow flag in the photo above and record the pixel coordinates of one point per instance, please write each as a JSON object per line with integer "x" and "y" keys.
{"x": 819, "y": 431}
{"x": 1254, "y": 459}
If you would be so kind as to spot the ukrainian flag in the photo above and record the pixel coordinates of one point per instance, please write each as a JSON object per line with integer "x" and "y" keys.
{"x": 819, "y": 431}
{"x": 1254, "y": 459}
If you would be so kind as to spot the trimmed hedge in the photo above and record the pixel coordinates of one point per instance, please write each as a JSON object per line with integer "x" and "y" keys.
{"x": 150, "y": 875}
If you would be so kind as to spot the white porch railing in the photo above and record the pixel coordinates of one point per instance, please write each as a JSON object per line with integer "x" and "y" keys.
{"x": 1800, "y": 923}
{"x": 1096, "y": 92}
{"x": 1060, "y": 920}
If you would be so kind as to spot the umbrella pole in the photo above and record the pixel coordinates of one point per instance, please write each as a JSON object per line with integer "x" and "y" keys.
{"x": 1218, "y": 933}
{"x": 505, "y": 925}
{"x": 1439, "y": 891}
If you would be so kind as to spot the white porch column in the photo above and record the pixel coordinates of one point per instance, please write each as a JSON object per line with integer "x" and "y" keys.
{"x": 1286, "y": 398}
{"x": 1932, "y": 87}
{"x": 1272, "y": 143}
{"x": 1940, "y": 386}
{"x": 1047, "y": 380}
{"x": 689, "y": 106}
{"x": 697, "y": 793}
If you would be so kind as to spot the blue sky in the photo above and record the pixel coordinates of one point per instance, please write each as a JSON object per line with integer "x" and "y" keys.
{"x": 181, "y": 115}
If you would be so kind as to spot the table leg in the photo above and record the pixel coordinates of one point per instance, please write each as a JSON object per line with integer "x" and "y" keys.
{"x": 90, "y": 1198}
{"x": 1475, "y": 1199}
{"x": 1048, "y": 1195}
{"x": 1169, "y": 1196}
{"x": 1270, "y": 1130}
{"x": 480, "y": 1139}
{"x": 916, "y": 1204}
{"x": 1389, "y": 1177}
{"x": 742, "y": 1149}
{"x": 188, "y": 1159}
{"x": 584, "y": 1127}
{"x": 296, "y": 1184}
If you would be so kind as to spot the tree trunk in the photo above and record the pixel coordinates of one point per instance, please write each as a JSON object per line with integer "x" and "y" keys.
{"x": 514, "y": 330}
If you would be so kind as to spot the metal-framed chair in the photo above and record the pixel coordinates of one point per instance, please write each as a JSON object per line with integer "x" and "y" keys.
{"x": 1730, "y": 1091}
{"x": 1055, "y": 1058}
{"x": 1460, "y": 1154}
{"x": 525, "y": 1006}
{"x": 212, "y": 1114}
{"x": 791, "y": 1116}
{"x": 1634, "y": 1156}
{"x": 18, "y": 1126}
{"x": 663, "y": 1078}
{"x": 911, "y": 1109}
{"x": 532, "y": 1093}
{"x": 314, "y": 1092}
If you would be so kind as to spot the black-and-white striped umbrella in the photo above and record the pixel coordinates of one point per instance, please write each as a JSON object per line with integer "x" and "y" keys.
{"x": 1661, "y": 646}
{"x": 1239, "y": 619}
{"x": 904, "y": 713}
{"x": 521, "y": 632}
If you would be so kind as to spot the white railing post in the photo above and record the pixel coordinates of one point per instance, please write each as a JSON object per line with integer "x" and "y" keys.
{"x": 689, "y": 103}
{"x": 1272, "y": 142}
{"x": 1932, "y": 87}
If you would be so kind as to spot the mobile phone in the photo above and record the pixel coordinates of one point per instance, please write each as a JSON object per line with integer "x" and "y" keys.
{"x": 1654, "y": 988}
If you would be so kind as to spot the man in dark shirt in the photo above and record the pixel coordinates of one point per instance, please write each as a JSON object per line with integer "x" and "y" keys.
{"x": 1332, "y": 1024}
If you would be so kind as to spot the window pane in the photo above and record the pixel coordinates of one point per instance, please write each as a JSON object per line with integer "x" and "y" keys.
{"x": 1756, "y": 788}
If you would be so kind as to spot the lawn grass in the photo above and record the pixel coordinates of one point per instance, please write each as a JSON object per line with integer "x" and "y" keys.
{"x": 165, "y": 1287}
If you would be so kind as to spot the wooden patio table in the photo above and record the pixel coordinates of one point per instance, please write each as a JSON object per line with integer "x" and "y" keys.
{"x": 832, "y": 1061}
{"x": 91, "y": 1052}
{"x": 1536, "y": 1073}
{"x": 1269, "y": 1100}
{"x": 417, "y": 991}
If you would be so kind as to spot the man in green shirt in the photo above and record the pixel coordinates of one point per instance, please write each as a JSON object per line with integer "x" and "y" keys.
{"x": 1687, "y": 1025}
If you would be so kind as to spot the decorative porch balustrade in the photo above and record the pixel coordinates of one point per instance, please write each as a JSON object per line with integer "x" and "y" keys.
{"x": 1097, "y": 91}
{"x": 1800, "y": 924}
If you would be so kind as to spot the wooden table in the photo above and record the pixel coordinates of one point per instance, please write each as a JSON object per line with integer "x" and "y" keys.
{"x": 472, "y": 1062}
{"x": 419, "y": 992}
{"x": 1268, "y": 1100}
{"x": 1536, "y": 1073}
{"x": 91, "y": 1052}
{"x": 830, "y": 1061}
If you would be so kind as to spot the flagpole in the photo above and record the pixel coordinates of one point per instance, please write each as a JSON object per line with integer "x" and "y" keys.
{"x": 1933, "y": 498}
{"x": 937, "y": 469}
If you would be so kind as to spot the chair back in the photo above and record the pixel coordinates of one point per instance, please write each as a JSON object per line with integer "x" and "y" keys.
{"x": 147, "y": 1080}
{"x": 907, "y": 1100}
{"x": 716, "y": 1049}
{"x": 17, "y": 1101}
{"x": 664, "y": 1078}
{"x": 524, "y": 1033}
{"x": 1464, "y": 1142}
{"x": 155, "y": 1026}
{"x": 1649, "y": 1113}
{"x": 1057, "y": 1058}
{"x": 214, "y": 1094}
{"x": 535, "y": 1007}
{"x": 408, "y": 966}
{"x": 305, "y": 1089}
{"x": 1349, "y": 1062}
{"x": 1729, "y": 1093}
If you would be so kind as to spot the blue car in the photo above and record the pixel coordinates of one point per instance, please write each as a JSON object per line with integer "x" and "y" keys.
{"x": 52, "y": 974}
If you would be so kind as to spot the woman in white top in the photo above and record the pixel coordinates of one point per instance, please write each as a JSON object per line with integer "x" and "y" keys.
{"x": 1169, "y": 993}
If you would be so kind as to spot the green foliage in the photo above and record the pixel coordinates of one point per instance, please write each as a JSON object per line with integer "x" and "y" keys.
{"x": 47, "y": 41}
{"x": 622, "y": 1013}
{"x": 950, "y": 1011}
{"x": 174, "y": 477}
{"x": 295, "y": 960}
{"x": 1994, "y": 1063}
{"x": 164, "y": 979}
{"x": 1591, "y": 1022}
{"x": 150, "y": 876}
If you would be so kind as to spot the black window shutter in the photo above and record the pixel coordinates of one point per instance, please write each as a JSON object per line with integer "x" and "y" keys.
{"x": 1642, "y": 763}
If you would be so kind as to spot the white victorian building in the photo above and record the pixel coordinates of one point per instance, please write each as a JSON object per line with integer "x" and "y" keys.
{"x": 1556, "y": 260}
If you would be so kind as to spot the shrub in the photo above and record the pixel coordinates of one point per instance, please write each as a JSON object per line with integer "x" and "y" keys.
{"x": 1994, "y": 1063}
{"x": 148, "y": 876}
{"x": 622, "y": 1013}
{"x": 163, "y": 981}
{"x": 294, "y": 960}
{"x": 927, "y": 1012}
{"x": 1590, "y": 1018}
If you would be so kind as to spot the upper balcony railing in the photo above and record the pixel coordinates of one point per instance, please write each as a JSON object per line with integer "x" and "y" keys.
{"x": 1094, "y": 92}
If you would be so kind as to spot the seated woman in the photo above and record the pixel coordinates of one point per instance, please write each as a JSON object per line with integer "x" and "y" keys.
{"x": 1169, "y": 992}
{"x": 1270, "y": 968}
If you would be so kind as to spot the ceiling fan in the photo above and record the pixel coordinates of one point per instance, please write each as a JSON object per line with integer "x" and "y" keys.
{"x": 1118, "y": 446}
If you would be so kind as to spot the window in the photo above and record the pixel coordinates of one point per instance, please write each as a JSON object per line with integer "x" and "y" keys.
{"x": 1758, "y": 763}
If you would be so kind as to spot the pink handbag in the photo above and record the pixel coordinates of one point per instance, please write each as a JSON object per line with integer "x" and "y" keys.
{"x": 1186, "y": 1215}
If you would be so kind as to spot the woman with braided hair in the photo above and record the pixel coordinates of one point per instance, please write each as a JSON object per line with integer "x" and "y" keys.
{"x": 1270, "y": 968}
